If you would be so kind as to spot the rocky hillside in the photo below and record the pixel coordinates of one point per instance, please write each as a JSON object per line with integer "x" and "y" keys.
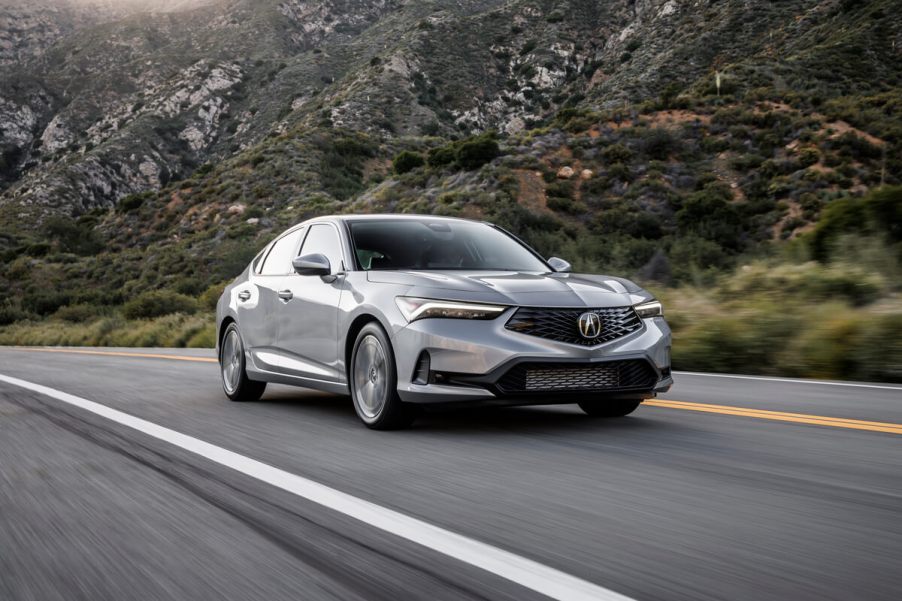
{"x": 158, "y": 145}
{"x": 105, "y": 99}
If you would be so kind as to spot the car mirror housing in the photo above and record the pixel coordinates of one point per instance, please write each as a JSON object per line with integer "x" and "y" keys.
{"x": 313, "y": 264}
{"x": 559, "y": 265}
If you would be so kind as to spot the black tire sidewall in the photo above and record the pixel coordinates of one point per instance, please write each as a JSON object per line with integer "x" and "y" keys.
{"x": 618, "y": 408}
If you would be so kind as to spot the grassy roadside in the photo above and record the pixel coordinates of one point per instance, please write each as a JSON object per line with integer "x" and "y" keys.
{"x": 176, "y": 330}
{"x": 798, "y": 321}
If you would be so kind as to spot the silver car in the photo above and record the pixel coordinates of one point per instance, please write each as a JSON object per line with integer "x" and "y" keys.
{"x": 402, "y": 311}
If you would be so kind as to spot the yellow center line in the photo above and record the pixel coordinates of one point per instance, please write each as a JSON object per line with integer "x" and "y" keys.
{"x": 782, "y": 416}
{"x": 117, "y": 354}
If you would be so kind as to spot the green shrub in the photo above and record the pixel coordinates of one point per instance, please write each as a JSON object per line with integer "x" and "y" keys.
{"x": 878, "y": 213}
{"x": 821, "y": 349}
{"x": 475, "y": 152}
{"x": 210, "y": 297}
{"x": 562, "y": 188}
{"x": 811, "y": 282}
{"x": 566, "y": 205}
{"x": 809, "y": 156}
{"x": 157, "y": 303}
{"x": 133, "y": 202}
{"x": 441, "y": 156}
{"x": 205, "y": 337}
{"x": 876, "y": 354}
{"x": 44, "y": 302}
{"x": 659, "y": 144}
{"x": 11, "y": 314}
{"x": 693, "y": 257}
{"x": 74, "y": 236}
{"x": 38, "y": 249}
{"x": 884, "y": 207}
{"x": 741, "y": 341}
{"x": 710, "y": 214}
{"x": 407, "y": 161}
{"x": 78, "y": 313}
{"x": 617, "y": 153}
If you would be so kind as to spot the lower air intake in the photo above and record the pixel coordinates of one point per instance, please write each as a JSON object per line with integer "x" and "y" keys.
{"x": 633, "y": 374}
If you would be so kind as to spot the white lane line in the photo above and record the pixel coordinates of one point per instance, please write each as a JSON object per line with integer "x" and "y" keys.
{"x": 520, "y": 570}
{"x": 787, "y": 380}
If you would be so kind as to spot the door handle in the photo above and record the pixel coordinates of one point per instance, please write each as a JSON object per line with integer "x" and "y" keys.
{"x": 286, "y": 295}
{"x": 244, "y": 295}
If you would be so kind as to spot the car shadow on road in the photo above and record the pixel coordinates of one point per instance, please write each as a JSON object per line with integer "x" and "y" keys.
{"x": 544, "y": 418}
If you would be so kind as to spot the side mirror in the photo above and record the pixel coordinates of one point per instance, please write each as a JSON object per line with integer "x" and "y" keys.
{"x": 315, "y": 264}
{"x": 559, "y": 265}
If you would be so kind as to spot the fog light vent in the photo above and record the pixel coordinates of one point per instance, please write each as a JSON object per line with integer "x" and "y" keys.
{"x": 421, "y": 371}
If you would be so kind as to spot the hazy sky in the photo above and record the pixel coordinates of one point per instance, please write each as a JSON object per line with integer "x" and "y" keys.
{"x": 115, "y": 4}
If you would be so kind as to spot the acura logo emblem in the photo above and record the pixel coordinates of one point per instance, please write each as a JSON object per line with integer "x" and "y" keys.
{"x": 589, "y": 325}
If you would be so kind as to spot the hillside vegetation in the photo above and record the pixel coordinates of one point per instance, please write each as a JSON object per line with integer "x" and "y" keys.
{"x": 742, "y": 159}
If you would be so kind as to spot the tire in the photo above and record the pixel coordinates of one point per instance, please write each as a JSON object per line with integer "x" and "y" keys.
{"x": 373, "y": 381}
{"x": 235, "y": 383}
{"x": 613, "y": 408}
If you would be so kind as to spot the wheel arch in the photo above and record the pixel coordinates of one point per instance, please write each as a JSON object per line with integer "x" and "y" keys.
{"x": 221, "y": 331}
{"x": 353, "y": 330}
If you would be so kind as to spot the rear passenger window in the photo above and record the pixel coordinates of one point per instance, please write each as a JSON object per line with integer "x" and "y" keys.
{"x": 278, "y": 261}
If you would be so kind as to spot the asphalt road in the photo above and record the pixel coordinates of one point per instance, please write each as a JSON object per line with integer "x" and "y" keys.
{"x": 689, "y": 500}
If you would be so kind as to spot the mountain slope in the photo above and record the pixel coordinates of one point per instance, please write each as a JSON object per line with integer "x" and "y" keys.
{"x": 177, "y": 142}
{"x": 127, "y": 106}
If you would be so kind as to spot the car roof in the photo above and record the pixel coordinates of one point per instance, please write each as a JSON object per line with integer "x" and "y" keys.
{"x": 384, "y": 216}
{"x": 370, "y": 216}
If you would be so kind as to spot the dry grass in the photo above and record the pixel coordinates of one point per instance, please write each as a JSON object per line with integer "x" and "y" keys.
{"x": 195, "y": 331}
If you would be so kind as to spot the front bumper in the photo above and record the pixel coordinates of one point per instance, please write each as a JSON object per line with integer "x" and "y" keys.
{"x": 469, "y": 360}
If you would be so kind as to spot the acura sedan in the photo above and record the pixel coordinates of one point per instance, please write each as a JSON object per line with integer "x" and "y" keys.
{"x": 402, "y": 311}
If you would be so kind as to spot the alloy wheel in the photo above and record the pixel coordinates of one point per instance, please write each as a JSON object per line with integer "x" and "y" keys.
{"x": 230, "y": 362}
{"x": 370, "y": 377}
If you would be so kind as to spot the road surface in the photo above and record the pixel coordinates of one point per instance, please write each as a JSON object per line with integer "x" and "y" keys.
{"x": 730, "y": 488}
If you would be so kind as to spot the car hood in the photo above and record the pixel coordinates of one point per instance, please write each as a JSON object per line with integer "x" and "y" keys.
{"x": 516, "y": 288}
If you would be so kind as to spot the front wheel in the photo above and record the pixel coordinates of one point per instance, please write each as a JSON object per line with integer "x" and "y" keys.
{"x": 237, "y": 386}
{"x": 374, "y": 382}
{"x": 613, "y": 408}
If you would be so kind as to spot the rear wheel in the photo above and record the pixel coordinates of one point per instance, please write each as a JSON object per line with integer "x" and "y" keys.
{"x": 617, "y": 408}
{"x": 374, "y": 382}
{"x": 235, "y": 383}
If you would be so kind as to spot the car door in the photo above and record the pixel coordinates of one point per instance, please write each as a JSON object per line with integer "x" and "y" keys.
{"x": 308, "y": 335}
{"x": 258, "y": 301}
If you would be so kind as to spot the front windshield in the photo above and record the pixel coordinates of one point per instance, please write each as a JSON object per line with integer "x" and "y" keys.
{"x": 438, "y": 244}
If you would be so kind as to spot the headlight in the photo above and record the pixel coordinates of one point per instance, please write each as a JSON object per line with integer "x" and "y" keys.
{"x": 421, "y": 308}
{"x": 649, "y": 309}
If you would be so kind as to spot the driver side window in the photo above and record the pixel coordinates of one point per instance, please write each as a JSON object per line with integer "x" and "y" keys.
{"x": 323, "y": 240}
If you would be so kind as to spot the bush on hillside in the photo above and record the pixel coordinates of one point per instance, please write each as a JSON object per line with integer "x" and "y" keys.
{"x": 157, "y": 303}
{"x": 77, "y": 313}
{"x": 441, "y": 156}
{"x": 809, "y": 282}
{"x": 74, "y": 236}
{"x": 407, "y": 161}
{"x": 710, "y": 214}
{"x": 475, "y": 152}
{"x": 878, "y": 213}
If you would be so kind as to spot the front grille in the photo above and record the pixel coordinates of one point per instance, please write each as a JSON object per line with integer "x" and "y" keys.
{"x": 563, "y": 324}
{"x": 630, "y": 374}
